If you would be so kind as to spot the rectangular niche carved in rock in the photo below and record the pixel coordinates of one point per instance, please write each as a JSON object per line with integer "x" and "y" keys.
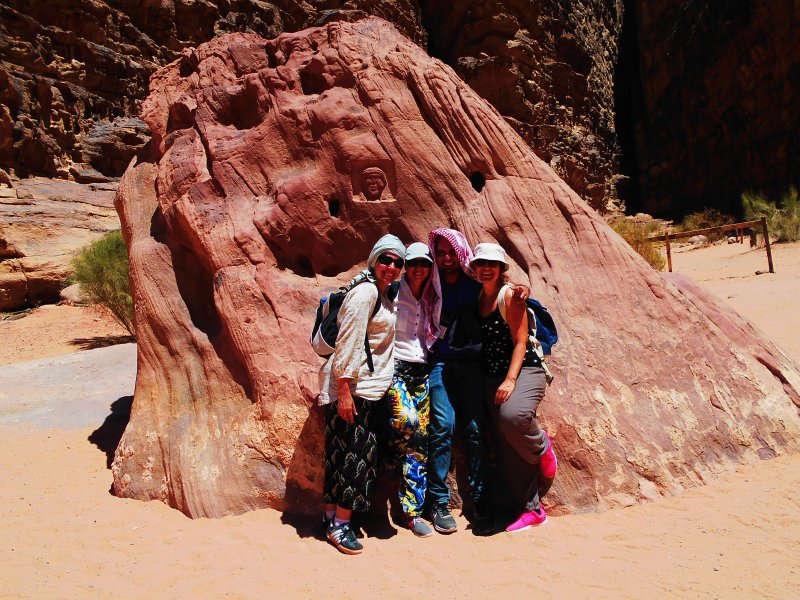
{"x": 373, "y": 180}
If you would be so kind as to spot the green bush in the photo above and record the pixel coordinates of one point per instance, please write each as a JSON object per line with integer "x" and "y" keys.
{"x": 705, "y": 219}
{"x": 636, "y": 235}
{"x": 102, "y": 270}
{"x": 783, "y": 218}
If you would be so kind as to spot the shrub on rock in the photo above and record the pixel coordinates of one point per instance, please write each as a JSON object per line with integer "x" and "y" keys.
{"x": 101, "y": 269}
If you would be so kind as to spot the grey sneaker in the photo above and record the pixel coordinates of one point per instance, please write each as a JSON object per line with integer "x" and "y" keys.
{"x": 344, "y": 538}
{"x": 443, "y": 521}
{"x": 419, "y": 527}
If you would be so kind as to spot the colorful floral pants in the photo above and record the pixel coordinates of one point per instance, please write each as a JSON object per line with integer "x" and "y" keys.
{"x": 408, "y": 405}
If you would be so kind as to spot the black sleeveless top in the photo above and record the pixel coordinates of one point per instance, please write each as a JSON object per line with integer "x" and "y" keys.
{"x": 498, "y": 346}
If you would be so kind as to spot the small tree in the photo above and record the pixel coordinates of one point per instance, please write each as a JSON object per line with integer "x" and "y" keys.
{"x": 705, "y": 219}
{"x": 102, "y": 270}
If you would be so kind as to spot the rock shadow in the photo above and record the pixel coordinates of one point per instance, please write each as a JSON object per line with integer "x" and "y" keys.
{"x": 107, "y": 436}
{"x": 380, "y": 522}
{"x": 102, "y": 341}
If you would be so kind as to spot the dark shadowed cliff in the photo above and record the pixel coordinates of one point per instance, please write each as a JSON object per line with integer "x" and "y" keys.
{"x": 664, "y": 106}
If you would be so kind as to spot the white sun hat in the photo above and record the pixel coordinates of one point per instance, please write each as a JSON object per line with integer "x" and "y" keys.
{"x": 489, "y": 251}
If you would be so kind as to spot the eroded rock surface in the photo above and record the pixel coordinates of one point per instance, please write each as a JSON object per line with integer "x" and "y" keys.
{"x": 73, "y": 73}
{"x": 246, "y": 208}
{"x": 548, "y": 68}
{"x": 43, "y": 223}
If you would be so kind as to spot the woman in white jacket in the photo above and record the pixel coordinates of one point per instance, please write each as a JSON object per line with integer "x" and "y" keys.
{"x": 350, "y": 391}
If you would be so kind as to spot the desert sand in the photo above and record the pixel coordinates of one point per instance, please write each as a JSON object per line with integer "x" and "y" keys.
{"x": 62, "y": 535}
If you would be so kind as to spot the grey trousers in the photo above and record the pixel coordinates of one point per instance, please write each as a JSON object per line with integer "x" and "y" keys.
{"x": 520, "y": 440}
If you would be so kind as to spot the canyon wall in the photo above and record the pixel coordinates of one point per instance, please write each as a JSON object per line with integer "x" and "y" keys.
{"x": 73, "y": 73}
{"x": 713, "y": 90}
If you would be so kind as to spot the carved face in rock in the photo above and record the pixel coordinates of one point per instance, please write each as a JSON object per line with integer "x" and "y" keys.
{"x": 373, "y": 182}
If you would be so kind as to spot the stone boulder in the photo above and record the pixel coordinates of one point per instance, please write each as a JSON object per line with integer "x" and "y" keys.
{"x": 248, "y": 204}
{"x": 73, "y": 296}
{"x": 43, "y": 223}
{"x": 547, "y": 67}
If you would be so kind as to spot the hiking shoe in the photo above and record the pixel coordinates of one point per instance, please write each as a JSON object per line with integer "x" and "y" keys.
{"x": 486, "y": 525}
{"x": 443, "y": 521}
{"x": 527, "y": 520}
{"x": 419, "y": 527}
{"x": 548, "y": 463}
{"x": 344, "y": 538}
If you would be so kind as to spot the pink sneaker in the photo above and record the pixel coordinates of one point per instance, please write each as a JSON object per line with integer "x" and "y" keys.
{"x": 527, "y": 520}
{"x": 548, "y": 463}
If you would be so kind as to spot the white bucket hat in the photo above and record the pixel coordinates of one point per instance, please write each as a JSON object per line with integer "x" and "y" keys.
{"x": 418, "y": 250}
{"x": 489, "y": 251}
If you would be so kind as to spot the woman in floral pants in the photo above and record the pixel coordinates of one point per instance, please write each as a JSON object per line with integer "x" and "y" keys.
{"x": 407, "y": 399}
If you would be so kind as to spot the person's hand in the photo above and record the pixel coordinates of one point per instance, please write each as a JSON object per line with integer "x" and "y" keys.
{"x": 504, "y": 391}
{"x": 345, "y": 406}
{"x": 520, "y": 293}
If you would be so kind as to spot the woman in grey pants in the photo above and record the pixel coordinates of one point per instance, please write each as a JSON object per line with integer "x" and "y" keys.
{"x": 515, "y": 385}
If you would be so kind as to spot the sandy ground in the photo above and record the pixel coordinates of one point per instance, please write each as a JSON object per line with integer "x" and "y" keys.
{"x": 740, "y": 276}
{"x": 62, "y": 535}
{"x": 51, "y": 330}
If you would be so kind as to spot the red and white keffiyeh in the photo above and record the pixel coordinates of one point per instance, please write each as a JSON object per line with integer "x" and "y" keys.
{"x": 432, "y": 298}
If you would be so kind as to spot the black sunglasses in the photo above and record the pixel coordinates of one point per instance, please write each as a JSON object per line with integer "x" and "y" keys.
{"x": 418, "y": 262}
{"x": 387, "y": 260}
{"x": 482, "y": 262}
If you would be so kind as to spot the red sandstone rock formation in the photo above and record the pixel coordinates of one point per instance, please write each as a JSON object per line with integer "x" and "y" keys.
{"x": 248, "y": 204}
{"x": 43, "y": 223}
{"x": 73, "y": 73}
{"x": 548, "y": 68}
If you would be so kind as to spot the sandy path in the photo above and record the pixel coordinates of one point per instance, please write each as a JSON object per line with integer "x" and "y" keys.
{"x": 769, "y": 300}
{"x": 52, "y": 330}
{"x": 62, "y": 535}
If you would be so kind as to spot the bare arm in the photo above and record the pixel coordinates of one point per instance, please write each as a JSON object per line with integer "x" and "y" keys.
{"x": 345, "y": 405}
{"x": 521, "y": 293}
{"x": 517, "y": 323}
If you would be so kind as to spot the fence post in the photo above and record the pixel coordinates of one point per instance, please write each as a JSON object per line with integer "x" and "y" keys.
{"x": 766, "y": 243}
{"x": 669, "y": 252}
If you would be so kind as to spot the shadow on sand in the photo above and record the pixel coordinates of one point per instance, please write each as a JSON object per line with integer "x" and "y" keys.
{"x": 381, "y": 522}
{"x": 102, "y": 341}
{"x": 107, "y": 436}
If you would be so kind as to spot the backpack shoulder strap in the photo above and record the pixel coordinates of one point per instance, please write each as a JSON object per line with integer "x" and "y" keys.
{"x": 377, "y": 304}
{"x": 501, "y": 301}
{"x": 367, "y": 351}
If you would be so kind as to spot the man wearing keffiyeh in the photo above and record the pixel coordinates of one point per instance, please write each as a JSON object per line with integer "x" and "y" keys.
{"x": 456, "y": 385}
